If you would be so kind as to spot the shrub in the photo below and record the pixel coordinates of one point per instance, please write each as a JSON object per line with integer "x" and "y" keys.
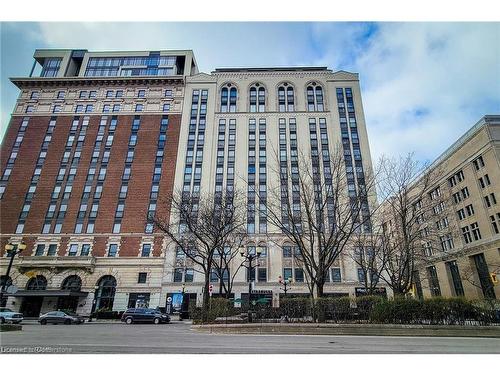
{"x": 107, "y": 314}
{"x": 219, "y": 307}
{"x": 295, "y": 307}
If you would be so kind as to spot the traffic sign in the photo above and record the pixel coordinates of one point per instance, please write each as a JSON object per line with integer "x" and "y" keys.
{"x": 210, "y": 289}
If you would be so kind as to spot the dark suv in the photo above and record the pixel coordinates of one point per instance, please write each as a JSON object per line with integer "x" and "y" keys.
{"x": 144, "y": 316}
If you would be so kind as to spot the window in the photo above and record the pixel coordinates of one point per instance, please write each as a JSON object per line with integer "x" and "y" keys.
{"x": 478, "y": 163}
{"x": 40, "y": 250}
{"x": 146, "y": 250}
{"x": 89, "y": 108}
{"x": 139, "y": 107}
{"x": 113, "y": 250}
{"x": 287, "y": 251}
{"x": 50, "y": 67}
{"x": 56, "y": 109}
{"x": 287, "y": 273}
{"x": 52, "y": 250}
{"x": 141, "y": 279}
{"x": 336, "y": 275}
{"x": 116, "y": 108}
{"x": 166, "y": 107}
{"x": 299, "y": 275}
{"x": 141, "y": 93}
{"x": 30, "y": 109}
{"x": 433, "y": 281}
{"x": 495, "y": 223}
{"x": 73, "y": 249}
{"x": 476, "y": 233}
{"x": 490, "y": 200}
{"x": 189, "y": 275}
{"x": 446, "y": 242}
{"x": 228, "y": 98}
{"x": 361, "y": 275}
{"x": 178, "y": 275}
{"x": 262, "y": 274}
{"x": 168, "y": 93}
{"x": 85, "y": 250}
{"x": 469, "y": 209}
{"x": 466, "y": 234}
{"x": 483, "y": 273}
{"x": 61, "y": 94}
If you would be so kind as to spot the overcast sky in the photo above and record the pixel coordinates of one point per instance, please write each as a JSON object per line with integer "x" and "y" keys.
{"x": 423, "y": 84}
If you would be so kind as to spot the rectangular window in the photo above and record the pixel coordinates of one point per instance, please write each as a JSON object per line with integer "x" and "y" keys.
{"x": 178, "y": 275}
{"x": 299, "y": 275}
{"x": 262, "y": 274}
{"x": 73, "y": 249}
{"x": 483, "y": 273}
{"x": 433, "y": 281}
{"x": 52, "y": 250}
{"x": 455, "y": 277}
{"x": 287, "y": 273}
{"x": 336, "y": 275}
{"x": 113, "y": 250}
{"x": 85, "y": 250}
{"x": 146, "y": 250}
{"x": 141, "y": 279}
{"x": 40, "y": 250}
{"x": 189, "y": 276}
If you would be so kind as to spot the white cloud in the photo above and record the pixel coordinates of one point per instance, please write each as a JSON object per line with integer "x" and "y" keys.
{"x": 423, "y": 84}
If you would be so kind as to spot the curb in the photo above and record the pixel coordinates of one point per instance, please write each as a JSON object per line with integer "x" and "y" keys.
{"x": 351, "y": 330}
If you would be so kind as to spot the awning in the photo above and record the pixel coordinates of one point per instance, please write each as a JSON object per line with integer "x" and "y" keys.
{"x": 47, "y": 293}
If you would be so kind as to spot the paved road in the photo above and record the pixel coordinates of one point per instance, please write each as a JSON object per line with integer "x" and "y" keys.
{"x": 178, "y": 338}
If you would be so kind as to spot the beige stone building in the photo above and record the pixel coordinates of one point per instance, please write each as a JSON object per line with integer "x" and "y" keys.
{"x": 234, "y": 121}
{"x": 466, "y": 257}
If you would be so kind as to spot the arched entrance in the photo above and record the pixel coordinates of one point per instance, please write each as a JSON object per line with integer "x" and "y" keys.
{"x": 105, "y": 293}
{"x": 71, "y": 283}
{"x": 31, "y": 305}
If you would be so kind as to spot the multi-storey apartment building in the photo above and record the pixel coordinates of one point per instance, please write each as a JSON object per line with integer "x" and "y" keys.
{"x": 240, "y": 119}
{"x": 90, "y": 147}
{"x": 463, "y": 217}
{"x": 98, "y": 138}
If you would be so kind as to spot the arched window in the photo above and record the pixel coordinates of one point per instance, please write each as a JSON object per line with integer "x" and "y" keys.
{"x": 286, "y": 98}
{"x": 228, "y": 97}
{"x": 105, "y": 294}
{"x": 37, "y": 283}
{"x": 315, "y": 97}
{"x": 73, "y": 283}
{"x": 257, "y": 99}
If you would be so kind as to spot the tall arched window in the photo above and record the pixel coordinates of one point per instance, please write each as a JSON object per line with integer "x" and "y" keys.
{"x": 228, "y": 97}
{"x": 105, "y": 294}
{"x": 73, "y": 283}
{"x": 38, "y": 282}
{"x": 315, "y": 97}
{"x": 286, "y": 98}
{"x": 257, "y": 99}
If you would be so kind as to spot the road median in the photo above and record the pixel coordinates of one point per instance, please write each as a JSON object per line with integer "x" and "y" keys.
{"x": 350, "y": 329}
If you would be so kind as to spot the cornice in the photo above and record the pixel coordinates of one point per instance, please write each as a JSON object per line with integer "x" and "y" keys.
{"x": 25, "y": 82}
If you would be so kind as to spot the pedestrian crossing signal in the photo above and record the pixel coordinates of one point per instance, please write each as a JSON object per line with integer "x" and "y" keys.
{"x": 494, "y": 278}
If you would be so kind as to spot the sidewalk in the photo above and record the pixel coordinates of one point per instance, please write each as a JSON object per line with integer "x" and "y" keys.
{"x": 350, "y": 329}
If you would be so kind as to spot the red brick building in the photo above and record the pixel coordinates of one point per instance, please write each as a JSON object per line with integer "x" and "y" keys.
{"x": 90, "y": 150}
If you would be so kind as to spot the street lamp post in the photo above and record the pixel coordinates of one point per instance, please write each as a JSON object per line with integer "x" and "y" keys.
{"x": 285, "y": 283}
{"x": 182, "y": 303}
{"x": 285, "y": 287}
{"x": 12, "y": 250}
{"x": 249, "y": 257}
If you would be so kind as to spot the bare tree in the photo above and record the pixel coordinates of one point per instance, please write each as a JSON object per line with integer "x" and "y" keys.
{"x": 202, "y": 225}
{"x": 319, "y": 208}
{"x": 415, "y": 223}
{"x": 370, "y": 256}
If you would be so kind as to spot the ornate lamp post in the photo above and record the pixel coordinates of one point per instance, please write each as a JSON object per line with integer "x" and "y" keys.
{"x": 12, "y": 250}
{"x": 249, "y": 257}
{"x": 285, "y": 283}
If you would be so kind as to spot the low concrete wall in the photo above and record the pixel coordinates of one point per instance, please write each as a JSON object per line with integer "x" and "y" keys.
{"x": 350, "y": 329}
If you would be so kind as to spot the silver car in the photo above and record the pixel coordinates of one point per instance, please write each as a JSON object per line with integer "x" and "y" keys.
{"x": 9, "y": 316}
{"x": 56, "y": 317}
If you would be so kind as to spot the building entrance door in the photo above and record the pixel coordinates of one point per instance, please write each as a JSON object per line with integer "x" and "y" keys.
{"x": 31, "y": 306}
{"x": 67, "y": 303}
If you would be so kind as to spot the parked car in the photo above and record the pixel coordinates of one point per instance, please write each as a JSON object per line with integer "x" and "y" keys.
{"x": 56, "y": 317}
{"x": 144, "y": 316}
{"x": 9, "y": 316}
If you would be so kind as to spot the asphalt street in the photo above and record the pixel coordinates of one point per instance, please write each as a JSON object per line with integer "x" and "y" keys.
{"x": 178, "y": 338}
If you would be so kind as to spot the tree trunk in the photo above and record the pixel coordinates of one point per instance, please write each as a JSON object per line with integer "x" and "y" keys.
{"x": 319, "y": 288}
{"x": 206, "y": 297}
